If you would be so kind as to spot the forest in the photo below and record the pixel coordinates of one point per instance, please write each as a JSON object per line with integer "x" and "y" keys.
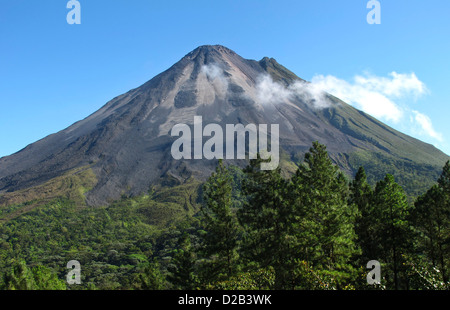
{"x": 243, "y": 229}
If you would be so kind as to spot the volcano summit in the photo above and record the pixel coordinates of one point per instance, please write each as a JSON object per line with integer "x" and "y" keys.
{"x": 127, "y": 143}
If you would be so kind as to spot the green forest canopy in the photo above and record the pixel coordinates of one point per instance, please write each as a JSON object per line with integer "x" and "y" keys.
{"x": 242, "y": 229}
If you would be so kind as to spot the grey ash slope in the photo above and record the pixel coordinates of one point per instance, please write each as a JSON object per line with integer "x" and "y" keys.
{"x": 127, "y": 142}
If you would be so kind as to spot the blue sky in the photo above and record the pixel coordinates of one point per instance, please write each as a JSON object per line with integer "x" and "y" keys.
{"x": 53, "y": 74}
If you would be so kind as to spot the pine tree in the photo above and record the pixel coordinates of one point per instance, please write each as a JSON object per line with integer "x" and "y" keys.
{"x": 360, "y": 190}
{"x": 431, "y": 217}
{"x": 444, "y": 179}
{"x": 361, "y": 196}
{"x": 221, "y": 225}
{"x": 267, "y": 220}
{"x": 183, "y": 266}
{"x": 444, "y": 184}
{"x": 325, "y": 222}
{"x": 392, "y": 230}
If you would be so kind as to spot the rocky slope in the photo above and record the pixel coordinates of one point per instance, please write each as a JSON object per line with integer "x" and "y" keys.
{"x": 127, "y": 143}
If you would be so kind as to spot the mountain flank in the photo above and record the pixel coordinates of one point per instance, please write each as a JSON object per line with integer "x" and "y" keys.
{"x": 124, "y": 148}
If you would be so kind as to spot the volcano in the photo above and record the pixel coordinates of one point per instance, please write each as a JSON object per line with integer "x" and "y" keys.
{"x": 126, "y": 144}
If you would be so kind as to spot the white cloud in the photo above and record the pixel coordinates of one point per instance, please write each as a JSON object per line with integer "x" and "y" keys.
{"x": 216, "y": 76}
{"x": 380, "y": 97}
{"x": 367, "y": 94}
{"x": 311, "y": 93}
{"x": 212, "y": 71}
{"x": 426, "y": 125}
{"x": 398, "y": 85}
{"x": 270, "y": 92}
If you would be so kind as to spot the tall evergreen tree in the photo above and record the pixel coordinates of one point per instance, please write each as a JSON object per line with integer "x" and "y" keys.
{"x": 325, "y": 221}
{"x": 221, "y": 224}
{"x": 431, "y": 217}
{"x": 183, "y": 266}
{"x": 444, "y": 179}
{"x": 267, "y": 219}
{"x": 392, "y": 230}
{"x": 361, "y": 196}
{"x": 444, "y": 184}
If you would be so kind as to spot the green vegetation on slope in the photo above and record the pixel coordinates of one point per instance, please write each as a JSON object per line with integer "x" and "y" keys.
{"x": 415, "y": 178}
{"x": 72, "y": 185}
{"x": 243, "y": 229}
{"x": 414, "y": 164}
